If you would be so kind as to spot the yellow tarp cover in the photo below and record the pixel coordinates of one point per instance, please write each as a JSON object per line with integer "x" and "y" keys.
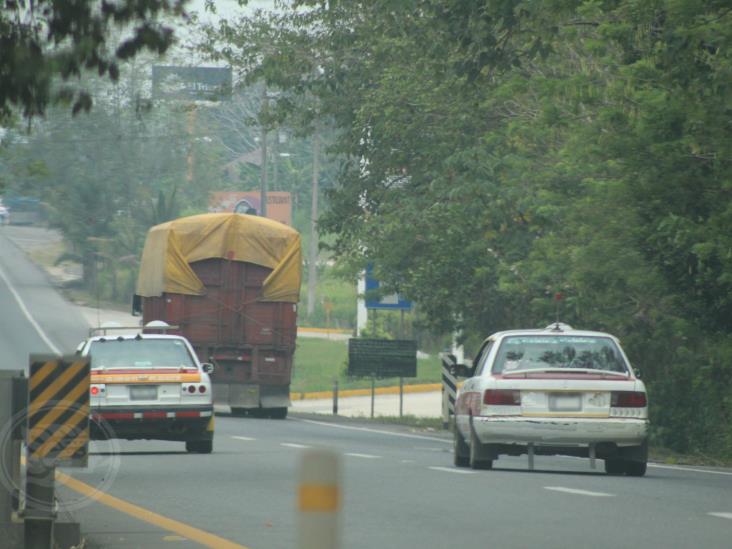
{"x": 171, "y": 247}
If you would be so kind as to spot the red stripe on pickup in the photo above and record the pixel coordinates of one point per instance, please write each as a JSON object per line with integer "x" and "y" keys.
{"x": 154, "y": 415}
{"x": 115, "y": 415}
{"x": 188, "y": 414}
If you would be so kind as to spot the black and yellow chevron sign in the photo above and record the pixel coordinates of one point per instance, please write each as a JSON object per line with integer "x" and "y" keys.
{"x": 58, "y": 410}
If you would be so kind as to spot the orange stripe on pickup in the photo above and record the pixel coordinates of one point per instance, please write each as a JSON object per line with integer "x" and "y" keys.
{"x": 145, "y": 378}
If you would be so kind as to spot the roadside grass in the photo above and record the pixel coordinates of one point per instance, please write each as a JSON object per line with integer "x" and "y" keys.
{"x": 319, "y": 362}
{"x": 670, "y": 457}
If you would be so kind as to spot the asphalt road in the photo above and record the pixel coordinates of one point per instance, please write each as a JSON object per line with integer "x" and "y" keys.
{"x": 399, "y": 487}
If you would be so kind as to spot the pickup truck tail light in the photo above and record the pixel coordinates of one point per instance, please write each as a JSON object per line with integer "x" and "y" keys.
{"x": 628, "y": 399}
{"x": 501, "y": 397}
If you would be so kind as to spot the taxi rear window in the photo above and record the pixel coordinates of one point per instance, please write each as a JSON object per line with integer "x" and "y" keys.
{"x": 542, "y": 352}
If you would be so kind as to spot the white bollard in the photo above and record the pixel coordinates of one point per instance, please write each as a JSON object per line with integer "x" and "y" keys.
{"x": 319, "y": 500}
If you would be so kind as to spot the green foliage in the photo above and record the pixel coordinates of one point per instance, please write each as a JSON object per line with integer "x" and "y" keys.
{"x": 45, "y": 40}
{"x": 498, "y": 153}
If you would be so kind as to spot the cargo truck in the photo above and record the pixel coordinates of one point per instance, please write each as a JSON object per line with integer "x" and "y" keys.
{"x": 230, "y": 283}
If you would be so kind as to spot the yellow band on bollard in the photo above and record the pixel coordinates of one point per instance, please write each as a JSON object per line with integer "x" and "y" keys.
{"x": 319, "y": 497}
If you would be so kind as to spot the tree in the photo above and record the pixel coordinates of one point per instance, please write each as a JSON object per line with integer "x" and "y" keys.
{"x": 43, "y": 40}
{"x": 499, "y": 153}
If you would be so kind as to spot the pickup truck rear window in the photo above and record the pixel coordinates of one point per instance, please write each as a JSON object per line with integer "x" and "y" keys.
{"x": 140, "y": 353}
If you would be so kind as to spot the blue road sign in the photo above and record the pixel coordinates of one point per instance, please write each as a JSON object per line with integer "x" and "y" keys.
{"x": 393, "y": 301}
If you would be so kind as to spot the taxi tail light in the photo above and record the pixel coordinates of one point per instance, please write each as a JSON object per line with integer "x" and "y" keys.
{"x": 201, "y": 389}
{"x": 628, "y": 399}
{"x": 94, "y": 391}
{"x": 191, "y": 389}
{"x": 501, "y": 397}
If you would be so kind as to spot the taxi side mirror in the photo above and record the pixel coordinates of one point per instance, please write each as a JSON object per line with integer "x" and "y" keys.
{"x": 207, "y": 367}
{"x": 462, "y": 370}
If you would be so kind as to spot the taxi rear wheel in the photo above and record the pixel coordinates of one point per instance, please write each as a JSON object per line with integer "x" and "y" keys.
{"x": 461, "y": 450}
{"x": 477, "y": 451}
{"x": 635, "y": 468}
{"x": 199, "y": 446}
{"x": 614, "y": 467}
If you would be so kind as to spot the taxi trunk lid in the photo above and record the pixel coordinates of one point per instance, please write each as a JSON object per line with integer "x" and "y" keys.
{"x": 565, "y": 394}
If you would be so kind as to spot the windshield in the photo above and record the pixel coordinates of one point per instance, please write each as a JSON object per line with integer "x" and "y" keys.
{"x": 543, "y": 352}
{"x": 140, "y": 353}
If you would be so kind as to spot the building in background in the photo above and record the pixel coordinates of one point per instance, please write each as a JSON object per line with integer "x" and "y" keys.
{"x": 279, "y": 204}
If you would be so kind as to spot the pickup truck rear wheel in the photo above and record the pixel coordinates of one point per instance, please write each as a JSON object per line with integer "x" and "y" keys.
{"x": 199, "y": 446}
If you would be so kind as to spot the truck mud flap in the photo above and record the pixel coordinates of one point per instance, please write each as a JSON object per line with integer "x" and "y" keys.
{"x": 275, "y": 397}
{"x": 243, "y": 396}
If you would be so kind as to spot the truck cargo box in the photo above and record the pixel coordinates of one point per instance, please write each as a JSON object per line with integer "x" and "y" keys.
{"x": 231, "y": 283}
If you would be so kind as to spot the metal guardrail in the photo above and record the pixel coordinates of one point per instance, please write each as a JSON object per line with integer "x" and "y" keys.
{"x": 12, "y": 403}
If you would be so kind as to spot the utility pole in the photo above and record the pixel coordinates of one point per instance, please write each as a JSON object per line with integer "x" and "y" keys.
{"x": 263, "y": 172}
{"x": 313, "y": 252}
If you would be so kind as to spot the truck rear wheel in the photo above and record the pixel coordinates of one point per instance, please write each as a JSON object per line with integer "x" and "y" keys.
{"x": 278, "y": 413}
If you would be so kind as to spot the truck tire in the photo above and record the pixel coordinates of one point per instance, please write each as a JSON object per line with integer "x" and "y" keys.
{"x": 278, "y": 413}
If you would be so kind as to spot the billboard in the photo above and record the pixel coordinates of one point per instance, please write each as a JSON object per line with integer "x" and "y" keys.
{"x": 191, "y": 83}
{"x": 382, "y": 357}
{"x": 279, "y": 204}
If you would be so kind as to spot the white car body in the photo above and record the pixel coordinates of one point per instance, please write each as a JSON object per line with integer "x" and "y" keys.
{"x": 517, "y": 402}
{"x": 149, "y": 386}
{"x": 4, "y": 215}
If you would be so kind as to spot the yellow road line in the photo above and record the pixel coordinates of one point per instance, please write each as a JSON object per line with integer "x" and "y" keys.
{"x": 421, "y": 388}
{"x": 145, "y": 515}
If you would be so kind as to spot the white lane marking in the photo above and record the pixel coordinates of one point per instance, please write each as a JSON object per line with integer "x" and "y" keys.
{"x": 578, "y": 492}
{"x": 27, "y": 314}
{"x": 407, "y": 461}
{"x": 293, "y": 445}
{"x": 365, "y": 456}
{"x": 377, "y": 431}
{"x": 243, "y": 438}
{"x": 676, "y": 468}
{"x": 449, "y": 470}
{"x": 722, "y": 515}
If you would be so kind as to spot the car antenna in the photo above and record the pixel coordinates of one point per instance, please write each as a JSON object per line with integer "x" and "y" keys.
{"x": 558, "y": 296}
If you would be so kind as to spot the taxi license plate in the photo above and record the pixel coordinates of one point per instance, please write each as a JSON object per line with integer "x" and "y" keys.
{"x": 565, "y": 403}
{"x": 145, "y": 392}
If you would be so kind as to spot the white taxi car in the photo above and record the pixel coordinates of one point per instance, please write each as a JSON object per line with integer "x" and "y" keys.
{"x": 556, "y": 391}
{"x": 150, "y": 386}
